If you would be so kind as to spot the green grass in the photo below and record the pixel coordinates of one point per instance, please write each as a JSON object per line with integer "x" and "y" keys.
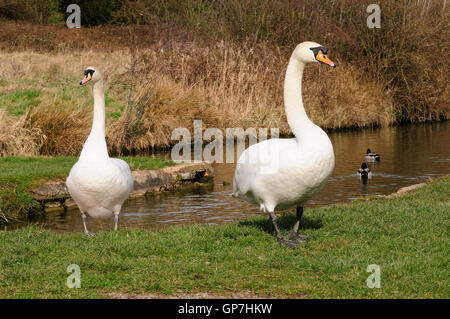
{"x": 406, "y": 236}
{"x": 33, "y": 168}
{"x": 19, "y": 174}
{"x": 18, "y": 101}
{"x": 62, "y": 90}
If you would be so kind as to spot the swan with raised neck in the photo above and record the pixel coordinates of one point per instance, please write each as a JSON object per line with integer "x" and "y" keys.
{"x": 278, "y": 174}
{"x": 95, "y": 145}
{"x": 97, "y": 183}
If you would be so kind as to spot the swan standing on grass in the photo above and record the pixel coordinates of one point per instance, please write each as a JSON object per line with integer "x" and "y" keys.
{"x": 278, "y": 174}
{"x": 97, "y": 183}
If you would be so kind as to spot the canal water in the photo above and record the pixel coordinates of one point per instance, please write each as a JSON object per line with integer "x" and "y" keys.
{"x": 410, "y": 154}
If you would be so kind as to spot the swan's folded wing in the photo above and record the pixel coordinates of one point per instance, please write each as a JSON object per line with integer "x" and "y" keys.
{"x": 125, "y": 172}
{"x": 267, "y": 157}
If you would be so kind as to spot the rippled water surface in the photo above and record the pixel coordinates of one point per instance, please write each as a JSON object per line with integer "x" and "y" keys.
{"x": 409, "y": 155}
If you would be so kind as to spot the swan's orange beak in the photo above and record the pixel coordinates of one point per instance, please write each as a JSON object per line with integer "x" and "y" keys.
{"x": 86, "y": 79}
{"x": 321, "y": 57}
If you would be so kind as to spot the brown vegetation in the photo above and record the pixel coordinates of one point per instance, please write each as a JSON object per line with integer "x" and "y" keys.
{"x": 225, "y": 85}
{"x": 180, "y": 69}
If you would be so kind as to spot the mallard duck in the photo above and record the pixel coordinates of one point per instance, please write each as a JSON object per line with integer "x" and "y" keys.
{"x": 371, "y": 157}
{"x": 364, "y": 171}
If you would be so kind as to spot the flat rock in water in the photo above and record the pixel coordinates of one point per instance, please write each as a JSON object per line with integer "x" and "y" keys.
{"x": 54, "y": 193}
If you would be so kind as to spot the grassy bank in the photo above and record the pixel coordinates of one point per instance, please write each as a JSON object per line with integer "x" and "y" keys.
{"x": 19, "y": 175}
{"x": 406, "y": 236}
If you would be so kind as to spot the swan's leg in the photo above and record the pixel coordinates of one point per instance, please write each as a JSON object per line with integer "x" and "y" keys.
{"x": 116, "y": 211}
{"x": 274, "y": 218}
{"x": 294, "y": 232}
{"x": 83, "y": 217}
{"x": 116, "y": 220}
{"x": 280, "y": 238}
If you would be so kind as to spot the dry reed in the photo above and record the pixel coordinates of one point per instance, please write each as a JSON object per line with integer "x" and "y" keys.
{"x": 228, "y": 77}
{"x": 224, "y": 84}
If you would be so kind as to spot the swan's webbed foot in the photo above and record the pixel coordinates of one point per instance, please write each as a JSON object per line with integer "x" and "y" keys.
{"x": 300, "y": 238}
{"x": 294, "y": 235}
{"x": 283, "y": 241}
{"x": 288, "y": 243}
{"x": 89, "y": 234}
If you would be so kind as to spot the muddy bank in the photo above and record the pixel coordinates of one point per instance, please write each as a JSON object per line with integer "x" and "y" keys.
{"x": 54, "y": 193}
{"x": 401, "y": 191}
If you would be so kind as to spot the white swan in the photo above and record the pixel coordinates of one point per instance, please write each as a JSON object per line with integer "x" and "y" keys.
{"x": 278, "y": 174}
{"x": 97, "y": 183}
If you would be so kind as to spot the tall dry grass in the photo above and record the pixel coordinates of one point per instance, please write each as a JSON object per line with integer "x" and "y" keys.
{"x": 407, "y": 55}
{"x": 229, "y": 85}
{"x": 243, "y": 85}
{"x": 180, "y": 69}
{"x": 161, "y": 106}
{"x": 175, "y": 82}
{"x": 16, "y": 138}
{"x": 44, "y": 131}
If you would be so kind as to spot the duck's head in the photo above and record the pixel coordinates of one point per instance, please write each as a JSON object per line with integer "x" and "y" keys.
{"x": 368, "y": 151}
{"x": 308, "y": 52}
{"x": 363, "y": 165}
{"x": 91, "y": 75}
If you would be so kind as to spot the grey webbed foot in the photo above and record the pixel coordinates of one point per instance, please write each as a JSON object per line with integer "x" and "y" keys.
{"x": 296, "y": 236}
{"x": 287, "y": 242}
{"x": 89, "y": 234}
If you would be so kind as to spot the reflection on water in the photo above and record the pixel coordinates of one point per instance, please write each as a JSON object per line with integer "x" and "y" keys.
{"x": 409, "y": 155}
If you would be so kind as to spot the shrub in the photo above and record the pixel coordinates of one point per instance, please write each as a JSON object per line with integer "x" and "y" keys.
{"x": 38, "y": 11}
{"x": 93, "y": 12}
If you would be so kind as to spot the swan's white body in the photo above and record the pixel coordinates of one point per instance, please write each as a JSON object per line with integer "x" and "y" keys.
{"x": 97, "y": 183}
{"x": 100, "y": 188}
{"x": 278, "y": 174}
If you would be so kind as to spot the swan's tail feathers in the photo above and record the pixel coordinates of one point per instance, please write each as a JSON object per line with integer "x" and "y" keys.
{"x": 99, "y": 212}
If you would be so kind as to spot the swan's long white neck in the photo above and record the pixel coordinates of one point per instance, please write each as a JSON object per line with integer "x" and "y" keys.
{"x": 297, "y": 118}
{"x": 95, "y": 145}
